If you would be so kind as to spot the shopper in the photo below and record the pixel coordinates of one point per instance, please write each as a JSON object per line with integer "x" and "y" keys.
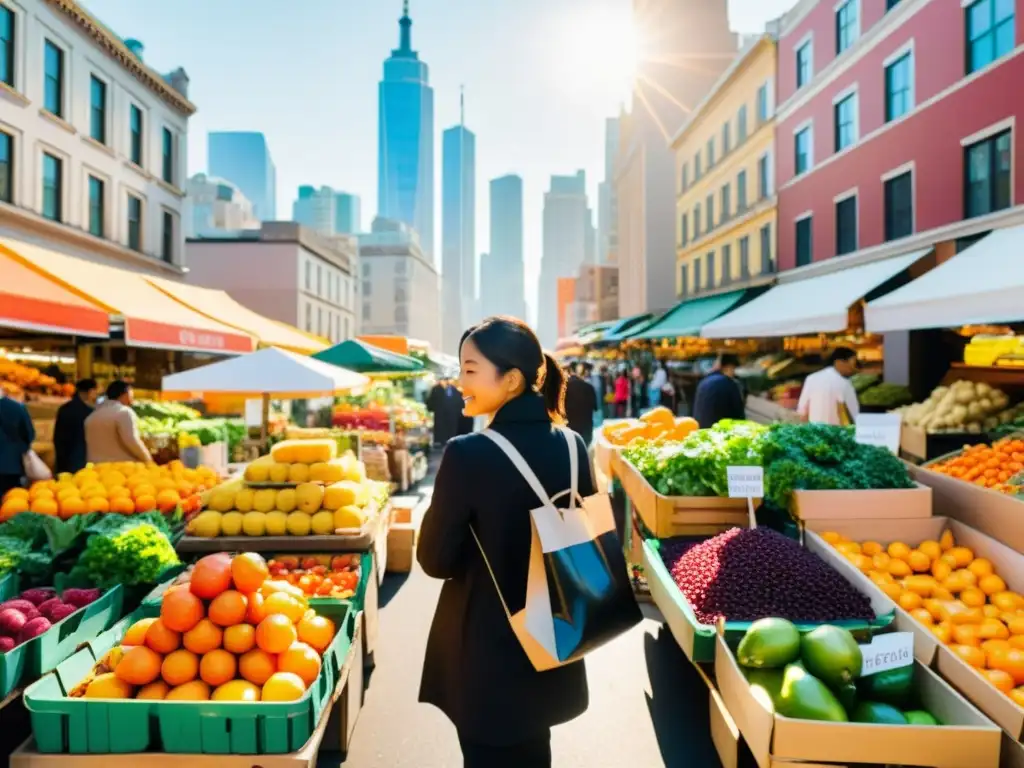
{"x": 580, "y": 404}
{"x": 659, "y": 380}
{"x": 475, "y": 669}
{"x": 828, "y": 397}
{"x": 69, "y": 429}
{"x": 621, "y": 394}
{"x": 112, "y": 430}
{"x": 718, "y": 396}
{"x": 16, "y": 437}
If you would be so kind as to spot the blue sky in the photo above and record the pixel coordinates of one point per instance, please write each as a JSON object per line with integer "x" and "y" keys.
{"x": 540, "y": 77}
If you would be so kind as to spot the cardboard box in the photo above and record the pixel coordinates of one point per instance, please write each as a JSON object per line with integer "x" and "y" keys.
{"x": 604, "y": 451}
{"x": 401, "y": 546}
{"x": 1012, "y": 755}
{"x": 988, "y": 511}
{"x": 401, "y": 512}
{"x": 868, "y": 504}
{"x": 725, "y": 735}
{"x": 917, "y": 443}
{"x": 969, "y": 739}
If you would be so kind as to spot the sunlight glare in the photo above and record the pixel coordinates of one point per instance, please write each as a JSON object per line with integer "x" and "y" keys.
{"x": 598, "y": 53}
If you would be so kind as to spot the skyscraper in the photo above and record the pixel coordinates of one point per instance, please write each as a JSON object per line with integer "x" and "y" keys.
{"x": 458, "y": 232}
{"x": 348, "y": 219}
{"x": 405, "y": 162}
{"x": 567, "y": 234}
{"x": 314, "y": 208}
{"x": 607, "y": 198}
{"x": 243, "y": 158}
{"x": 501, "y": 273}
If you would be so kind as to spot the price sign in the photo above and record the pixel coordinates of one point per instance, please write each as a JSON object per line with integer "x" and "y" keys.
{"x": 745, "y": 482}
{"x": 885, "y": 652}
{"x": 881, "y": 429}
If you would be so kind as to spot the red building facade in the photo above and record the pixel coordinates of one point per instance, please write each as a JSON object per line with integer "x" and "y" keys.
{"x": 906, "y": 137}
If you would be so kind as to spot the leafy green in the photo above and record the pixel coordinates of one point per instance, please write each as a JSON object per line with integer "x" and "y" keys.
{"x": 27, "y": 527}
{"x": 137, "y": 552}
{"x": 63, "y": 535}
{"x": 12, "y": 551}
{"x": 887, "y": 396}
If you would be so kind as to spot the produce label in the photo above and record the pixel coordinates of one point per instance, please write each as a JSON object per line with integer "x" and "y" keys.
{"x": 745, "y": 482}
{"x": 881, "y": 429}
{"x": 889, "y": 651}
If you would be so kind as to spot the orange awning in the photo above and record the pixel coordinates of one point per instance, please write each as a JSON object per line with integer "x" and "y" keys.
{"x": 151, "y": 317}
{"x": 32, "y": 302}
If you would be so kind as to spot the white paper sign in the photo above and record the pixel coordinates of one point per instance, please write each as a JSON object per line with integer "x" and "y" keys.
{"x": 885, "y": 652}
{"x": 253, "y": 413}
{"x": 881, "y": 429}
{"x": 745, "y": 482}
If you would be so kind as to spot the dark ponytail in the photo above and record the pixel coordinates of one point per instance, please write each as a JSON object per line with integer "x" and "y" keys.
{"x": 554, "y": 389}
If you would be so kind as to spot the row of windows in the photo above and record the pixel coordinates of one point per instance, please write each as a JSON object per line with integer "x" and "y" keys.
{"x": 55, "y": 98}
{"x": 725, "y": 197}
{"x": 986, "y": 190}
{"x": 337, "y": 286}
{"x": 53, "y": 187}
{"x": 701, "y": 274}
{"x": 401, "y": 314}
{"x": 336, "y": 328}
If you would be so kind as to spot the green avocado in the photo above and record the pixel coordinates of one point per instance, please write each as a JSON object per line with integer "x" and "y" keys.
{"x": 893, "y": 686}
{"x": 769, "y": 644}
{"x": 805, "y": 697}
{"x": 878, "y": 714}
{"x": 847, "y": 695}
{"x": 832, "y": 655}
{"x": 765, "y": 685}
{"x": 920, "y": 717}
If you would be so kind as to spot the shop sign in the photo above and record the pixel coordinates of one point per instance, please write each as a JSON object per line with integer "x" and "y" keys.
{"x": 881, "y": 429}
{"x": 890, "y": 651}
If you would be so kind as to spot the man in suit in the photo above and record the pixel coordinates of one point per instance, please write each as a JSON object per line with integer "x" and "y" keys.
{"x": 112, "y": 430}
{"x": 580, "y": 404}
{"x": 16, "y": 437}
{"x": 69, "y": 429}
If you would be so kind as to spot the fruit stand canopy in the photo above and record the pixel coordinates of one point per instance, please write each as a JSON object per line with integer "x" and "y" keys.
{"x": 819, "y": 304}
{"x": 151, "y": 317}
{"x": 271, "y": 371}
{"x": 982, "y": 284}
{"x": 31, "y": 302}
{"x": 219, "y": 306}
{"x": 366, "y": 358}
{"x": 627, "y": 326}
{"x": 688, "y": 317}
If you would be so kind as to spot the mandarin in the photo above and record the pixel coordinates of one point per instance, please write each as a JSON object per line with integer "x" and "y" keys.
{"x": 162, "y": 638}
{"x": 136, "y": 634}
{"x": 237, "y": 690}
{"x": 317, "y": 631}
{"x": 181, "y": 610}
{"x": 1000, "y": 679}
{"x": 217, "y": 667}
{"x": 283, "y": 686}
{"x": 248, "y": 572}
{"x": 257, "y": 666}
{"x": 239, "y": 638}
{"x": 158, "y": 689}
{"x": 196, "y": 690}
{"x": 228, "y": 608}
{"x": 180, "y": 667}
{"x": 275, "y": 633}
{"x": 303, "y": 660}
{"x": 139, "y": 666}
{"x": 203, "y": 637}
{"x": 211, "y": 576}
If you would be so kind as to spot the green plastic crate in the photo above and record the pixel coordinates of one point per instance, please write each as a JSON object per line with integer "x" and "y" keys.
{"x": 91, "y": 726}
{"x": 358, "y": 600}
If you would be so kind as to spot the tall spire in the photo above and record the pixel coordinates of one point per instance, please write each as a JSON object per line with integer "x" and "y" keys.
{"x": 462, "y": 104}
{"x": 405, "y": 23}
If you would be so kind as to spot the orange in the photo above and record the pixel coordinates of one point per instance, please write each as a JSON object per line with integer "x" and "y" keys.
{"x": 990, "y": 612}
{"x": 255, "y": 613}
{"x": 240, "y": 638}
{"x": 881, "y": 561}
{"x": 167, "y": 500}
{"x": 849, "y": 547}
{"x": 139, "y": 666}
{"x": 1017, "y": 695}
{"x": 971, "y": 655}
{"x": 973, "y": 597}
{"x": 990, "y": 584}
{"x": 15, "y": 493}
{"x": 898, "y": 568}
{"x": 898, "y": 550}
{"x": 919, "y": 561}
{"x": 1017, "y": 641}
{"x": 962, "y": 556}
{"x": 162, "y": 639}
{"x": 146, "y": 504}
{"x": 203, "y": 637}
{"x": 1000, "y": 679}
{"x": 283, "y": 686}
{"x": 931, "y": 548}
{"x": 98, "y": 504}
{"x": 1006, "y": 601}
{"x": 45, "y": 506}
{"x": 870, "y": 548}
{"x": 217, "y": 667}
{"x": 922, "y": 616}
{"x": 994, "y": 648}
{"x": 276, "y": 633}
{"x": 180, "y": 667}
{"x": 144, "y": 489}
{"x": 122, "y": 505}
{"x": 941, "y": 593}
{"x": 967, "y": 577}
{"x": 993, "y": 629}
{"x": 316, "y": 631}
{"x": 1016, "y": 624}
{"x": 196, "y": 690}
{"x": 944, "y": 631}
{"x": 158, "y": 689}
{"x": 211, "y": 576}
{"x": 301, "y": 659}
{"x": 257, "y": 666}
{"x": 228, "y": 608}
{"x": 892, "y": 590}
{"x": 860, "y": 562}
{"x": 108, "y": 686}
{"x": 136, "y": 634}
{"x": 181, "y": 610}
{"x": 941, "y": 570}
{"x": 981, "y": 567}
{"x": 237, "y": 690}
{"x": 248, "y": 572}
{"x": 69, "y": 507}
{"x": 967, "y": 634}
{"x": 1011, "y": 662}
{"x": 946, "y": 540}
{"x": 283, "y": 603}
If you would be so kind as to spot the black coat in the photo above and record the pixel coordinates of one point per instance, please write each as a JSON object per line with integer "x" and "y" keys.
{"x": 718, "y": 397}
{"x": 580, "y": 404}
{"x": 69, "y": 435}
{"x": 475, "y": 671}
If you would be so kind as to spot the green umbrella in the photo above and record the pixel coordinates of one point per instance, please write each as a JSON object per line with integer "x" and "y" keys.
{"x": 361, "y": 357}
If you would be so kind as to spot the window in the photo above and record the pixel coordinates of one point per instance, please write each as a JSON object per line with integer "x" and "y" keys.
{"x": 803, "y": 150}
{"x": 744, "y": 257}
{"x": 319, "y": 280}
{"x": 167, "y": 238}
{"x": 168, "y": 156}
{"x": 763, "y": 186}
{"x": 6, "y": 46}
{"x": 696, "y": 167}
{"x": 309, "y": 275}
{"x": 987, "y": 175}
{"x": 53, "y": 187}
{"x": 696, "y": 275}
{"x": 366, "y": 312}
{"x": 890, "y": 4}
{"x": 741, "y": 125}
{"x": 710, "y": 272}
{"x": 98, "y": 109}
{"x": 804, "y": 54}
{"x": 135, "y": 223}
{"x": 709, "y": 206}
{"x": 726, "y": 264}
{"x": 846, "y": 225}
{"x": 711, "y": 152}
{"x": 899, "y": 206}
{"x": 367, "y": 287}
{"x": 684, "y": 230}
{"x": 762, "y": 104}
{"x": 846, "y": 25}
{"x": 401, "y": 314}
{"x": 6, "y": 167}
{"x": 309, "y": 317}
{"x": 684, "y": 280}
{"x": 319, "y": 321}
{"x": 899, "y": 87}
{"x": 804, "y": 248}
{"x": 53, "y": 78}
{"x": 767, "y": 263}
{"x": 135, "y": 129}
{"x": 726, "y": 140}
{"x": 684, "y": 180}
{"x": 726, "y": 202}
{"x": 845, "y": 114}
{"x": 97, "y": 206}
{"x": 696, "y": 221}
{"x": 741, "y": 192}
{"x": 990, "y": 33}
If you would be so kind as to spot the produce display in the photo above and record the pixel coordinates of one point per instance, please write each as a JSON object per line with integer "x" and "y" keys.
{"x": 165, "y": 425}
{"x": 230, "y": 633}
{"x": 957, "y": 595}
{"x": 787, "y": 392}
{"x": 36, "y": 610}
{"x": 657, "y": 424}
{"x": 964, "y": 406}
{"x": 749, "y": 574}
{"x": 17, "y": 380}
{"x": 334, "y": 576}
{"x": 818, "y": 676}
{"x": 862, "y": 382}
{"x": 376, "y": 409}
{"x": 999, "y": 466}
{"x": 886, "y": 396}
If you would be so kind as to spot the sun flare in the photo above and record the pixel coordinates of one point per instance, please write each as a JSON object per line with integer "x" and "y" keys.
{"x": 598, "y": 52}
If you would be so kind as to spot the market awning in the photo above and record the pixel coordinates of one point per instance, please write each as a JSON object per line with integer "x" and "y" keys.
{"x": 360, "y": 356}
{"x": 982, "y": 284}
{"x": 627, "y": 326}
{"x": 33, "y": 302}
{"x": 219, "y": 306}
{"x": 151, "y": 317}
{"x": 595, "y": 332}
{"x": 688, "y": 317}
{"x": 818, "y": 304}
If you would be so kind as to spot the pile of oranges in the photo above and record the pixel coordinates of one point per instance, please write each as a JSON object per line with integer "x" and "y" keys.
{"x": 228, "y": 634}
{"x": 958, "y": 596}
{"x": 997, "y": 466}
{"x": 657, "y": 424}
{"x": 122, "y": 487}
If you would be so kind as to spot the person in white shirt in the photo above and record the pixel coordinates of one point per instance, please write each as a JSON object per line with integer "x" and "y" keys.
{"x": 827, "y": 390}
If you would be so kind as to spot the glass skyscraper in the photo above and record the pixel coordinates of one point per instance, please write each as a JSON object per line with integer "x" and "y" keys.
{"x": 243, "y": 157}
{"x": 405, "y": 164}
{"x": 347, "y": 214}
{"x": 458, "y": 234}
{"x": 501, "y": 279}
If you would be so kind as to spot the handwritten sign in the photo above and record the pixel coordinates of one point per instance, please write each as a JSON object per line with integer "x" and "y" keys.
{"x": 885, "y": 652}
{"x": 881, "y": 429}
{"x": 745, "y": 482}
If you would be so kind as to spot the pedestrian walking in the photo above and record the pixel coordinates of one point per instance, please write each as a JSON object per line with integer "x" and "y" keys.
{"x": 16, "y": 437}
{"x": 621, "y": 394}
{"x": 112, "y": 430}
{"x": 69, "y": 428}
{"x": 580, "y": 404}
{"x": 718, "y": 396}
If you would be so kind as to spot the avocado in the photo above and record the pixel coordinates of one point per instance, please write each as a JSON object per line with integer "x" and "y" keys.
{"x": 765, "y": 685}
{"x": 769, "y": 644}
{"x": 805, "y": 697}
{"x": 890, "y": 687}
{"x": 847, "y": 695}
{"x": 920, "y": 717}
{"x": 832, "y": 655}
{"x": 878, "y": 714}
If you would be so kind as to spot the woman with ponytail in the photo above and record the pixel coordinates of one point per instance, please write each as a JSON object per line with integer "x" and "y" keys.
{"x": 475, "y": 669}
